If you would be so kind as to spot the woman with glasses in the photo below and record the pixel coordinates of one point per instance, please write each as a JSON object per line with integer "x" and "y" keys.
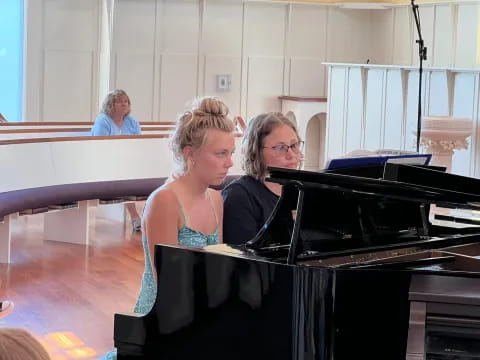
{"x": 269, "y": 140}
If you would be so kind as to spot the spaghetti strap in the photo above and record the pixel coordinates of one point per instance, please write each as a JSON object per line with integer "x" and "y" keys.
{"x": 182, "y": 211}
{"x": 213, "y": 207}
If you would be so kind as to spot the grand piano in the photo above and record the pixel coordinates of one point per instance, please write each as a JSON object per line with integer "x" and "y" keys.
{"x": 379, "y": 262}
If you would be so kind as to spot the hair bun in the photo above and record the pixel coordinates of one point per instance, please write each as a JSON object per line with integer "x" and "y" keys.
{"x": 210, "y": 106}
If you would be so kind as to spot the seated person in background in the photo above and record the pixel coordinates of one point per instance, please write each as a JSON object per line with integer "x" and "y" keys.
{"x": 19, "y": 344}
{"x": 115, "y": 119}
{"x": 6, "y": 307}
{"x": 186, "y": 211}
{"x": 269, "y": 140}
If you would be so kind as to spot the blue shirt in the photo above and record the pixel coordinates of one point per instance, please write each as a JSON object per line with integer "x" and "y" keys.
{"x": 104, "y": 126}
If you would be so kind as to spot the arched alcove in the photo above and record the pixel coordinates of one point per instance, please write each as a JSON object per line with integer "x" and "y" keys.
{"x": 315, "y": 143}
{"x": 291, "y": 116}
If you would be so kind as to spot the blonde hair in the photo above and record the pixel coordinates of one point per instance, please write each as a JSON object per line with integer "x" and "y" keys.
{"x": 191, "y": 128}
{"x": 252, "y": 145}
{"x": 109, "y": 102}
{"x": 19, "y": 344}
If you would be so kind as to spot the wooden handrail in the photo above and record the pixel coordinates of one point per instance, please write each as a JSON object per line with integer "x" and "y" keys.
{"x": 304, "y": 98}
{"x": 87, "y": 138}
{"x": 69, "y": 123}
{"x": 77, "y": 129}
{"x": 81, "y": 138}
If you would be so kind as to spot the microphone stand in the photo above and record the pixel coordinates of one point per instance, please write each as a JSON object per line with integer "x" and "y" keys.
{"x": 422, "y": 52}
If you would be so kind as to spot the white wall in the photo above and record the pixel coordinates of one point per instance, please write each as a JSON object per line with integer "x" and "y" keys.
{"x": 61, "y": 60}
{"x": 165, "y": 52}
{"x": 450, "y": 32}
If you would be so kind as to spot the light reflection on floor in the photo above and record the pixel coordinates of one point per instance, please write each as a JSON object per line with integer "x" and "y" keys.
{"x": 66, "y": 345}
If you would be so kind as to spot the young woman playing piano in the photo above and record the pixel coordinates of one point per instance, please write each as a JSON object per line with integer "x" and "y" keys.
{"x": 269, "y": 140}
{"x": 186, "y": 211}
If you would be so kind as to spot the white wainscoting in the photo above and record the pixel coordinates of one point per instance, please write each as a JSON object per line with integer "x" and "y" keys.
{"x": 165, "y": 52}
{"x": 69, "y": 102}
{"x": 389, "y": 97}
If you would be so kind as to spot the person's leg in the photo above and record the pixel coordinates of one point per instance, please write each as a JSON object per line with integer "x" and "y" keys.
{"x": 132, "y": 211}
{"x": 6, "y": 307}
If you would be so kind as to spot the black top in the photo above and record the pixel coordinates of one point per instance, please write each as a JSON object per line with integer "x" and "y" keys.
{"x": 247, "y": 205}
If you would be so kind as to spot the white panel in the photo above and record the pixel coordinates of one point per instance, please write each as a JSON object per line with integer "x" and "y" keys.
{"x": 180, "y": 25}
{"x": 71, "y": 24}
{"x": 224, "y": 65}
{"x": 222, "y": 32}
{"x": 308, "y": 22}
{"x": 67, "y": 86}
{"x": 464, "y": 106}
{"x": 265, "y": 29}
{"x": 336, "y": 112}
{"x": 443, "y": 49}
{"x": 412, "y": 109}
{"x": 307, "y": 77}
{"x": 348, "y": 32}
{"x": 374, "y": 109}
{"x": 134, "y": 75}
{"x": 37, "y": 166}
{"x": 178, "y": 84}
{"x": 466, "y": 42}
{"x": 380, "y": 48}
{"x": 265, "y": 84}
{"x": 438, "y": 104}
{"x": 33, "y": 62}
{"x": 427, "y": 16}
{"x": 402, "y": 41}
{"x": 134, "y": 25}
{"x": 354, "y": 110}
{"x": 464, "y": 95}
{"x": 393, "y": 133}
{"x": 111, "y": 164}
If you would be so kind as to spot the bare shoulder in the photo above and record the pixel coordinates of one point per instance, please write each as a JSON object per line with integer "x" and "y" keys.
{"x": 163, "y": 198}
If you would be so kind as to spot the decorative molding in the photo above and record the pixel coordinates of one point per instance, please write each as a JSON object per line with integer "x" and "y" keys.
{"x": 444, "y": 145}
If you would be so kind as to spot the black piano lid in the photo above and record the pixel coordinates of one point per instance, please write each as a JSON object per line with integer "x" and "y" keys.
{"x": 405, "y": 182}
{"x": 337, "y": 213}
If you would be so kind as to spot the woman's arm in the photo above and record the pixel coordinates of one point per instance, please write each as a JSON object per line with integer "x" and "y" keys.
{"x": 160, "y": 222}
{"x": 239, "y": 215}
{"x": 101, "y": 127}
{"x": 138, "y": 129}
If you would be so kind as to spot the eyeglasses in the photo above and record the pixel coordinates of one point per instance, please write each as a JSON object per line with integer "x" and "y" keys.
{"x": 282, "y": 149}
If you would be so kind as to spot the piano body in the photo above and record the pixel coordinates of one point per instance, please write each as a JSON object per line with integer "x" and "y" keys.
{"x": 350, "y": 265}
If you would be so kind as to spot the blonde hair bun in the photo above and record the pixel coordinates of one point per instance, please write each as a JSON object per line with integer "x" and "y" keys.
{"x": 210, "y": 106}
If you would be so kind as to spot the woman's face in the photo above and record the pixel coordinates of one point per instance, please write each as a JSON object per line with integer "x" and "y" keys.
{"x": 278, "y": 150}
{"x": 121, "y": 105}
{"x": 213, "y": 160}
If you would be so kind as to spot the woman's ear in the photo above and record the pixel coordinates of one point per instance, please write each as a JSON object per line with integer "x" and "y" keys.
{"x": 187, "y": 152}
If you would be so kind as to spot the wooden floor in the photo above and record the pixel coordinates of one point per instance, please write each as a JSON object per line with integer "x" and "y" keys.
{"x": 67, "y": 294}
